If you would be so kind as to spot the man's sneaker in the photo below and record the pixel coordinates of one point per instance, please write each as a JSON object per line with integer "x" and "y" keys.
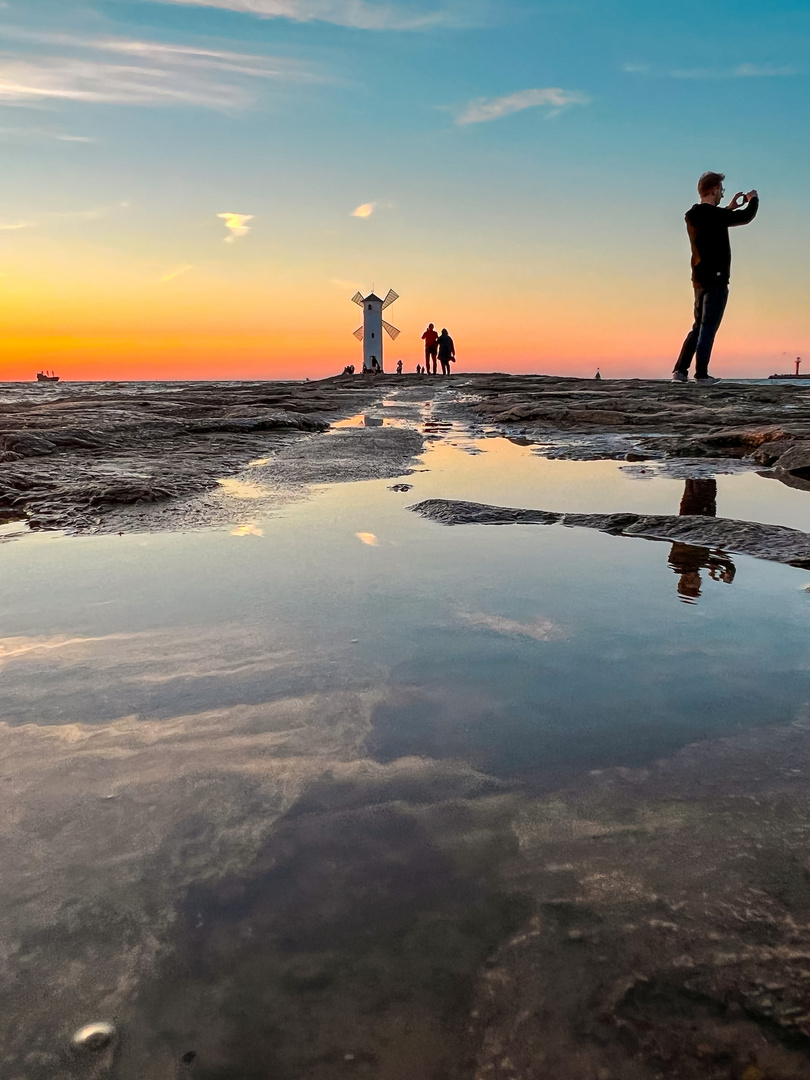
{"x": 680, "y": 376}
{"x": 707, "y": 380}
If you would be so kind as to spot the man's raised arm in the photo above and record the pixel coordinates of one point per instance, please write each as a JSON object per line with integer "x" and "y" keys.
{"x": 740, "y": 213}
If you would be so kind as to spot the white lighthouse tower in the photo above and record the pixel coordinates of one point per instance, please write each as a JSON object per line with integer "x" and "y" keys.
{"x": 371, "y": 332}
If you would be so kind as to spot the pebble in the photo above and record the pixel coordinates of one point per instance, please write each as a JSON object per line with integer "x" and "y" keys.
{"x": 94, "y": 1036}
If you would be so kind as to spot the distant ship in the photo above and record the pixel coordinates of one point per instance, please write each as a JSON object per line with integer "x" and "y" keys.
{"x": 43, "y": 376}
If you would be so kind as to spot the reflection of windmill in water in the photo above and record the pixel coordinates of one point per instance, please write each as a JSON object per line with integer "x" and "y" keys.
{"x": 371, "y": 332}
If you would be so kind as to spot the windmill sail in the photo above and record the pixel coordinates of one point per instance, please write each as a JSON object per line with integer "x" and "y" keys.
{"x": 358, "y": 333}
{"x": 391, "y": 296}
{"x": 391, "y": 330}
{"x": 358, "y": 299}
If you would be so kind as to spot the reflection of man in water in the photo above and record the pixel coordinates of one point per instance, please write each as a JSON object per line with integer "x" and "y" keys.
{"x": 699, "y": 497}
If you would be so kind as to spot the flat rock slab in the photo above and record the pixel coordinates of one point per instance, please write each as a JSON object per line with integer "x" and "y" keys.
{"x": 775, "y": 543}
{"x": 81, "y": 456}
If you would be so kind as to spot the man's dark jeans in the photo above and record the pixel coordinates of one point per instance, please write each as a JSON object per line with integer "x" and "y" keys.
{"x": 709, "y": 307}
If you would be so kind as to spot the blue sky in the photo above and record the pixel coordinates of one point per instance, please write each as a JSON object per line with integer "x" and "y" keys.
{"x": 526, "y": 165}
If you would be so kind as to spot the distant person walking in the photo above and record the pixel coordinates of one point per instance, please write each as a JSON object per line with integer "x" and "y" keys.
{"x": 707, "y": 224}
{"x": 447, "y": 351}
{"x": 430, "y": 337}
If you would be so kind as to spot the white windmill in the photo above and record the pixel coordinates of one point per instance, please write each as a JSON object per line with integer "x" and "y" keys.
{"x": 371, "y": 332}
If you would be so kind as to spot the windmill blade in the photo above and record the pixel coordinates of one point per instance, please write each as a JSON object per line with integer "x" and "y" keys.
{"x": 358, "y": 333}
{"x": 358, "y": 299}
{"x": 390, "y": 297}
{"x": 391, "y": 330}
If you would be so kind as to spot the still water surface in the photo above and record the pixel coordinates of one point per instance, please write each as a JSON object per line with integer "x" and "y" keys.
{"x": 530, "y": 652}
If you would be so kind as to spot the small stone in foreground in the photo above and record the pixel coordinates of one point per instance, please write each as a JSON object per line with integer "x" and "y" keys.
{"x": 94, "y": 1036}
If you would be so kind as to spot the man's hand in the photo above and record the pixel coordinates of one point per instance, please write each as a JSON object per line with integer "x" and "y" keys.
{"x": 752, "y": 194}
{"x": 738, "y": 200}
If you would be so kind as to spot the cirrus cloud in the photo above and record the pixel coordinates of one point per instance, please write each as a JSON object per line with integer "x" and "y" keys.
{"x": 357, "y": 14}
{"x": 139, "y": 73}
{"x": 482, "y": 110}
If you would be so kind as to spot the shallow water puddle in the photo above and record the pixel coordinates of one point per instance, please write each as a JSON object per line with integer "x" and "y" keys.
{"x": 516, "y": 648}
{"x": 245, "y": 739}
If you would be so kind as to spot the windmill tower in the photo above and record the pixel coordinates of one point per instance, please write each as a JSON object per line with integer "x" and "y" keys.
{"x": 371, "y": 332}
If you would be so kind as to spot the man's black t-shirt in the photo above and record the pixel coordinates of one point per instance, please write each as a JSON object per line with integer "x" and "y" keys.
{"x": 708, "y": 227}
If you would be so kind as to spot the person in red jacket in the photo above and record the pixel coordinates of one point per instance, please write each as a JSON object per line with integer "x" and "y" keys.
{"x": 707, "y": 224}
{"x": 430, "y": 338}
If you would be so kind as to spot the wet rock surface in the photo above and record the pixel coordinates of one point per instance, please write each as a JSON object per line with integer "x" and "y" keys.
{"x": 247, "y": 914}
{"x": 106, "y": 457}
{"x": 78, "y": 457}
{"x": 774, "y": 542}
{"x": 584, "y": 419}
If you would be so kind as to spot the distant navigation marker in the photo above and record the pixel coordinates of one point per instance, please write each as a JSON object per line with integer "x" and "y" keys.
{"x": 371, "y": 332}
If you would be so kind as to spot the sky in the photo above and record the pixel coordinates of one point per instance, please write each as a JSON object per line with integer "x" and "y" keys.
{"x": 196, "y": 188}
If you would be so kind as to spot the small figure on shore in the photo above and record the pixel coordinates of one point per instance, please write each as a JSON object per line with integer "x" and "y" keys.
{"x": 597, "y": 375}
{"x": 430, "y": 337}
{"x": 375, "y": 366}
{"x": 707, "y": 224}
{"x": 399, "y": 367}
{"x": 349, "y": 369}
{"x": 447, "y": 352}
{"x": 418, "y": 369}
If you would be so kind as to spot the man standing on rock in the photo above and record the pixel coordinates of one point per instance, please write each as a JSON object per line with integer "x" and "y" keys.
{"x": 430, "y": 337}
{"x": 707, "y": 224}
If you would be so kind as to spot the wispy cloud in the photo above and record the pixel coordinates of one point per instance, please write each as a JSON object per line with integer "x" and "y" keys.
{"x": 51, "y": 216}
{"x": 482, "y": 110}
{"x": 236, "y": 224}
{"x": 94, "y": 213}
{"x": 176, "y": 273}
{"x": 32, "y": 134}
{"x": 365, "y": 209}
{"x": 155, "y": 74}
{"x": 359, "y": 14}
{"x": 741, "y": 71}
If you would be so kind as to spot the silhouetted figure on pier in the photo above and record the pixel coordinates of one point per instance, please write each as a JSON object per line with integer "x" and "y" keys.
{"x": 707, "y": 224}
{"x": 447, "y": 352}
{"x": 430, "y": 337}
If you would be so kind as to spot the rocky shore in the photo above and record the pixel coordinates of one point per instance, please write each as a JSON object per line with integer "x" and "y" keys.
{"x": 81, "y": 457}
{"x": 76, "y": 456}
